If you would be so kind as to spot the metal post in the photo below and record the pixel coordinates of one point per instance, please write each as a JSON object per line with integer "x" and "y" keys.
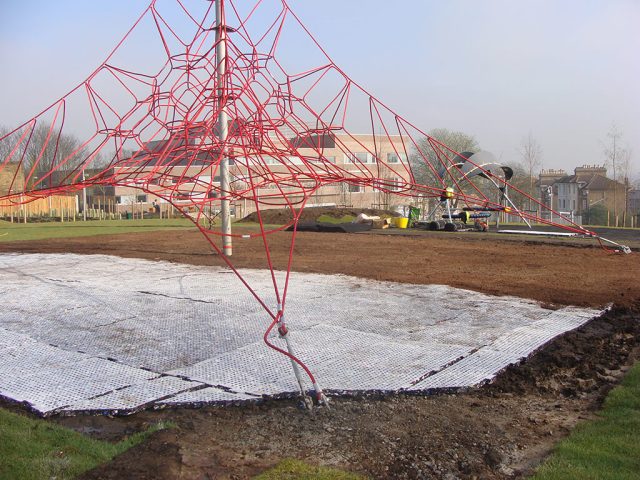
{"x": 84, "y": 199}
{"x": 223, "y": 125}
{"x": 448, "y": 203}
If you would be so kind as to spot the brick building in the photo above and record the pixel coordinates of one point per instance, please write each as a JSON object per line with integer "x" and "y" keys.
{"x": 368, "y": 156}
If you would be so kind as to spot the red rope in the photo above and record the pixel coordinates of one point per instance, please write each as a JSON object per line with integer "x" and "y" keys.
{"x": 155, "y": 130}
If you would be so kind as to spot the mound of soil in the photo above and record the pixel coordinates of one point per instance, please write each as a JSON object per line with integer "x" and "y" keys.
{"x": 282, "y": 216}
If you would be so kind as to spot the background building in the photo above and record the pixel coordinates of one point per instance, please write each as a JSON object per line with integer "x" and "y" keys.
{"x": 375, "y": 157}
{"x": 588, "y": 196}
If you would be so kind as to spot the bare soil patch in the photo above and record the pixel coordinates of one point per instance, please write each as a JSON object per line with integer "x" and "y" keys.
{"x": 549, "y": 273}
{"x": 499, "y": 431}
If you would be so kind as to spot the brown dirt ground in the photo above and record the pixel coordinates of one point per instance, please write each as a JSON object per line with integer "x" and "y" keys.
{"x": 501, "y": 430}
{"x": 548, "y": 273}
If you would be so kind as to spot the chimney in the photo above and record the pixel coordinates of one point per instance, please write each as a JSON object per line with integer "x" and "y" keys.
{"x": 549, "y": 176}
{"x": 591, "y": 170}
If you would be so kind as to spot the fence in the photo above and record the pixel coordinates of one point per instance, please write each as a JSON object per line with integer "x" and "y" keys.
{"x": 57, "y": 206}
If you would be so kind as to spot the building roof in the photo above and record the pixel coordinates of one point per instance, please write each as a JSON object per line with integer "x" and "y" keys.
{"x": 590, "y": 181}
{"x": 599, "y": 182}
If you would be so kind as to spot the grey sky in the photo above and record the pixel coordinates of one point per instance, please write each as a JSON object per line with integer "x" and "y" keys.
{"x": 561, "y": 70}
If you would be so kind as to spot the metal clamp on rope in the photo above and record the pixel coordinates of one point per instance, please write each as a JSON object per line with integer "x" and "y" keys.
{"x": 283, "y": 330}
{"x": 321, "y": 398}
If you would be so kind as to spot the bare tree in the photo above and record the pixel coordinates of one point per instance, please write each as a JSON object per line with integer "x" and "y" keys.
{"x": 345, "y": 194}
{"x": 8, "y": 145}
{"x": 457, "y": 141}
{"x": 50, "y": 148}
{"x": 44, "y": 147}
{"x": 531, "y": 154}
{"x": 619, "y": 159}
{"x": 382, "y": 188}
{"x": 5, "y": 143}
{"x": 521, "y": 180}
{"x": 12, "y": 178}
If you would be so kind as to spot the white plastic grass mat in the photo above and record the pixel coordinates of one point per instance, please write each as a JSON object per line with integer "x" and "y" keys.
{"x": 107, "y": 334}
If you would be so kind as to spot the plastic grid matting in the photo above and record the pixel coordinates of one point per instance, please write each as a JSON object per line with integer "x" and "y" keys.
{"x": 201, "y": 323}
{"x": 207, "y": 395}
{"x": 509, "y": 348}
{"x": 136, "y": 396}
{"x": 53, "y": 388}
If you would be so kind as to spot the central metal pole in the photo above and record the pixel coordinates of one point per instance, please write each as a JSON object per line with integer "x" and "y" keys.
{"x": 223, "y": 127}
{"x": 84, "y": 198}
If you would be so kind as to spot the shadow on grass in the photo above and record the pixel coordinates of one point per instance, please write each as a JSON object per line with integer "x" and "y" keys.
{"x": 297, "y": 470}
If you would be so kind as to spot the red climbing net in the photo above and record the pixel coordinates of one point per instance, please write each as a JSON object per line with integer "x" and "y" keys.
{"x": 284, "y": 119}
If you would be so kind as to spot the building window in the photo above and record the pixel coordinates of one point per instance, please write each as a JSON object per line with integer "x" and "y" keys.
{"x": 355, "y": 188}
{"x": 125, "y": 199}
{"x": 362, "y": 157}
{"x": 396, "y": 183}
{"x": 396, "y": 158}
{"x": 359, "y": 157}
{"x": 141, "y": 198}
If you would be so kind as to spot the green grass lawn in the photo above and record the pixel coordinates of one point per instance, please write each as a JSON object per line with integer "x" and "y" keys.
{"x": 296, "y": 470}
{"x": 10, "y": 232}
{"x": 330, "y": 219}
{"x": 606, "y": 448}
{"x": 38, "y": 449}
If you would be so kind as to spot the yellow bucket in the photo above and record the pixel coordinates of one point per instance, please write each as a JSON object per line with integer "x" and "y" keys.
{"x": 402, "y": 222}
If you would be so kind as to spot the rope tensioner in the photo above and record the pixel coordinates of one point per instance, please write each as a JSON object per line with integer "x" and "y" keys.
{"x": 307, "y": 401}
